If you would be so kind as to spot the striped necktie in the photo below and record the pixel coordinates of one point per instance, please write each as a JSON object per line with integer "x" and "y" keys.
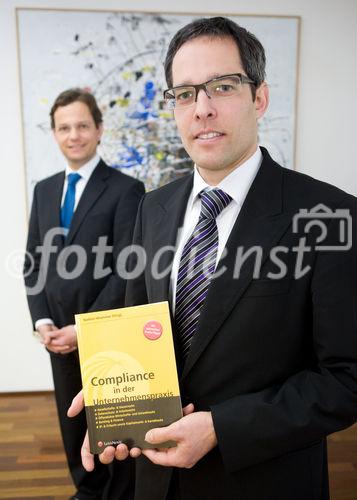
{"x": 68, "y": 203}
{"x": 198, "y": 262}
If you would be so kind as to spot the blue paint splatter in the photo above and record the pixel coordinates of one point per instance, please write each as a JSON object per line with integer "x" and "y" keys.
{"x": 130, "y": 158}
{"x": 145, "y": 109}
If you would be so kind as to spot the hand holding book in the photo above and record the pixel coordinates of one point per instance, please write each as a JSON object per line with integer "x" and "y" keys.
{"x": 194, "y": 434}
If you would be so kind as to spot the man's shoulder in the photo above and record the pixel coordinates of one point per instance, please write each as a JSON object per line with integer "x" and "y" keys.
{"x": 51, "y": 180}
{"x": 300, "y": 187}
{"x": 118, "y": 177}
{"x": 300, "y": 190}
{"x": 166, "y": 192}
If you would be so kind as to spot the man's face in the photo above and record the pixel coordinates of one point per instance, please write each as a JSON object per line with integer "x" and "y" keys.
{"x": 218, "y": 134}
{"x": 76, "y": 133}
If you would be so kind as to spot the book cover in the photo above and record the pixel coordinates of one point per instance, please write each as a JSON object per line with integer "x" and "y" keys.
{"x": 129, "y": 374}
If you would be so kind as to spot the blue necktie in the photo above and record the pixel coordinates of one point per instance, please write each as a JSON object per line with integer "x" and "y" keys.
{"x": 68, "y": 204}
{"x": 197, "y": 264}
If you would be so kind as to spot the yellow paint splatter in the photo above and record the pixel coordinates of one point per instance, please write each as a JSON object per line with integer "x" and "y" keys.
{"x": 165, "y": 114}
{"x": 159, "y": 155}
{"x": 122, "y": 102}
{"x": 127, "y": 75}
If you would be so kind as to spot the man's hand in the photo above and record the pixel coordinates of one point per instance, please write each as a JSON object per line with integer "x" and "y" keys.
{"x": 60, "y": 340}
{"x": 45, "y": 333}
{"x": 121, "y": 452}
{"x": 194, "y": 434}
{"x": 76, "y": 407}
{"x": 195, "y": 437}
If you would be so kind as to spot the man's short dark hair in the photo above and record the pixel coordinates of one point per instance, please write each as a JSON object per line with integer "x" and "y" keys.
{"x": 73, "y": 95}
{"x": 251, "y": 51}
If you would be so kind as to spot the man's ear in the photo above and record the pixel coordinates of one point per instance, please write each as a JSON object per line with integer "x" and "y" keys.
{"x": 261, "y": 100}
{"x": 100, "y": 129}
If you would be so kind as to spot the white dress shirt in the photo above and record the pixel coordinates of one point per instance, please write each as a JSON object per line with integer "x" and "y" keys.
{"x": 237, "y": 185}
{"x": 85, "y": 172}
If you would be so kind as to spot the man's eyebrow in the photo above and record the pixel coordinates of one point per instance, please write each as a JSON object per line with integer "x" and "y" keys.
{"x": 210, "y": 77}
{"x": 79, "y": 122}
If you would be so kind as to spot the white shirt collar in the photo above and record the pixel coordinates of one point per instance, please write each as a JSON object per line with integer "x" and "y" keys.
{"x": 236, "y": 184}
{"x": 85, "y": 170}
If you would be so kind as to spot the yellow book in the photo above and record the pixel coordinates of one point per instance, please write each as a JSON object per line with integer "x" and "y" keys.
{"x": 129, "y": 374}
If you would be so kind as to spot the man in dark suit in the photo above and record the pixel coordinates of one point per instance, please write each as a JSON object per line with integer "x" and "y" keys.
{"x": 80, "y": 221}
{"x": 262, "y": 286}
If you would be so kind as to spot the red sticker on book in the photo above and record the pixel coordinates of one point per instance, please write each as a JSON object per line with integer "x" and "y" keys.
{"x": 152, "y": 330}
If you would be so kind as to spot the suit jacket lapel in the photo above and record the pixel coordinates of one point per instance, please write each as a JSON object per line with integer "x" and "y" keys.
{"x": 260, "y": 223}
{"x": 166, "y": 222}
{"x": 50, "y": 216}
{"x": 93, "y": 190}
{"x": 53, "y": 201}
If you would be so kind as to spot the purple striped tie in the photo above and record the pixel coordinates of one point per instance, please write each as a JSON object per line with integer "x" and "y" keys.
{"x": 198, "y": 262}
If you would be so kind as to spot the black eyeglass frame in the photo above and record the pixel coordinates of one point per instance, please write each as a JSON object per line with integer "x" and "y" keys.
{"x": 203, "y": 86}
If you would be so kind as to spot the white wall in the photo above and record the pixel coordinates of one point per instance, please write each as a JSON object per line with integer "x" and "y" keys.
{"x": 326, "y": 134}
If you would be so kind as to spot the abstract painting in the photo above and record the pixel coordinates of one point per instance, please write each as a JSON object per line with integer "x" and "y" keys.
{"x": 118, "y": 56}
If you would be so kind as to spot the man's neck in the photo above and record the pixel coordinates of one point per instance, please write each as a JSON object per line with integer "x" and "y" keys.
{"x": 214, "y": 177}
{"x": 75, "y": 166}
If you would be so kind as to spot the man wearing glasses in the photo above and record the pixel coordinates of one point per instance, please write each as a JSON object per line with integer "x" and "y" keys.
{"x": 264, "y": 321}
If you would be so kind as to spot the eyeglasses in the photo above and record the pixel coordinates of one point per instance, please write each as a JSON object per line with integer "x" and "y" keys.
{"x": 223, "y": 86}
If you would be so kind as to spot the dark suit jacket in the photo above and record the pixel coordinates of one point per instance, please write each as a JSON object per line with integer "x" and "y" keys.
{"x": 274, "y": 360}
{"x": 107, "y": 209}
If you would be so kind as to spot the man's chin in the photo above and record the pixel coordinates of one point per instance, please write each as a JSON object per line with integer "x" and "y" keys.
{"x": 208, "y": 166}
{"x": 80, "y": 160}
